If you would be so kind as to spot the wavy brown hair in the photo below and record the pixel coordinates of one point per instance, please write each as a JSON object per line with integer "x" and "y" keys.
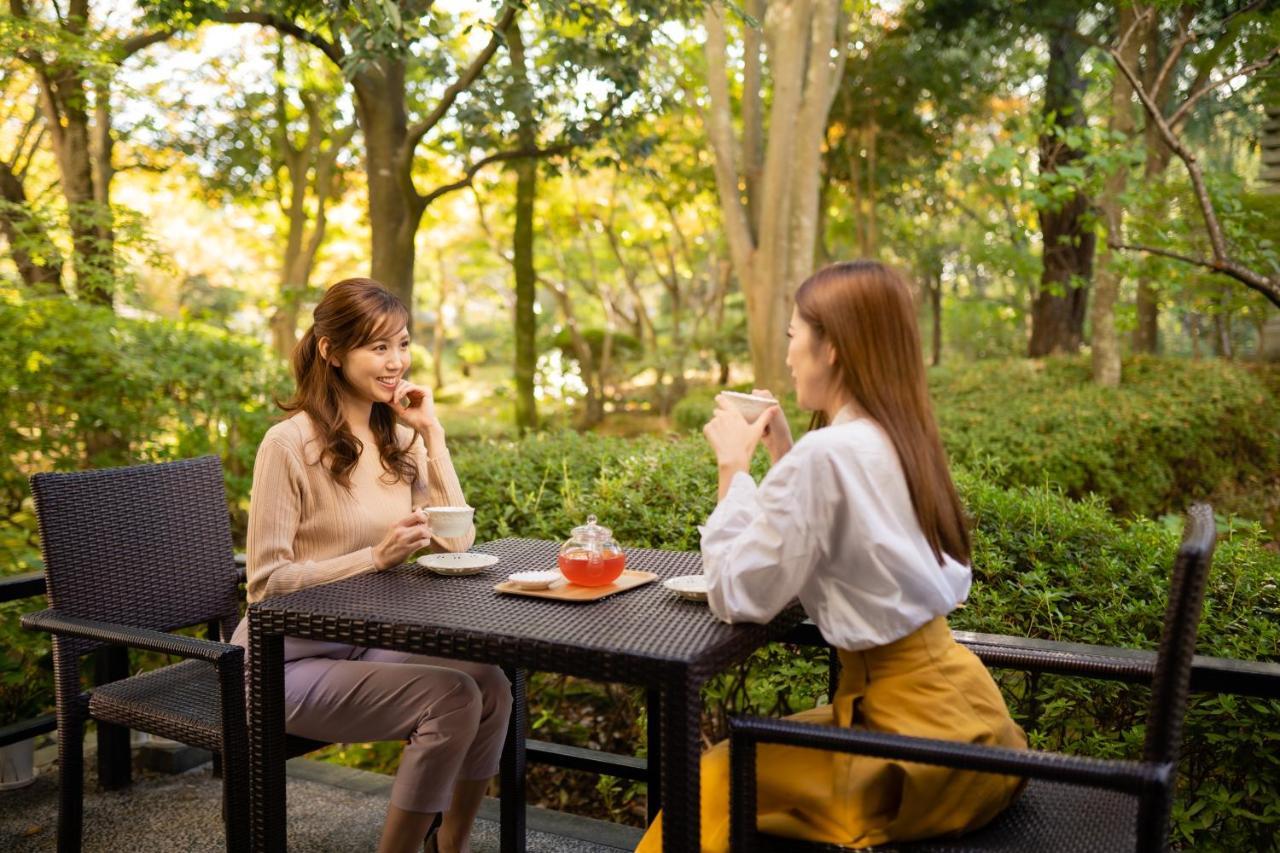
{"x": 352, "y": 313}
{"x": 868, "y": 313}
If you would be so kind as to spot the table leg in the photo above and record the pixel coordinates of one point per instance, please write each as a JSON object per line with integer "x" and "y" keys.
{"x": 512, "y": 802}
{"x": 681, "y": 752}
{"x": 653, "y": 800}
{"x": 267, "y": 802}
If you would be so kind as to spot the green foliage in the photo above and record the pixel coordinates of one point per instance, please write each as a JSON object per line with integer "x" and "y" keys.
{"x": 26, "y": 683}
{"x": 1045, "y": 566}
{"x": 88, "y": 389}
{"x": 1175, "y": 430}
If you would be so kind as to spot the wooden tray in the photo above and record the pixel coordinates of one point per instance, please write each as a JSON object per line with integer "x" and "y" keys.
{"x": 562, "y": 590}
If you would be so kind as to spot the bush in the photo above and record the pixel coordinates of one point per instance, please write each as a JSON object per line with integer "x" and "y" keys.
{"x": 86, "y": 388}
{"x": 1174, "y": 432}
{"x": 1045, "y": 566}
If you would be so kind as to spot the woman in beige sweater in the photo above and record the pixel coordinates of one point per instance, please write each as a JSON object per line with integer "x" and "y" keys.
{"x": 334, "y": 491}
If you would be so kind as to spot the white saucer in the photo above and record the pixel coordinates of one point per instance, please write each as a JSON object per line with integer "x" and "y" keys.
{"x": 457, "y": 564}
{"x": 535, "y": 580}
{"x": 691, "y": 587}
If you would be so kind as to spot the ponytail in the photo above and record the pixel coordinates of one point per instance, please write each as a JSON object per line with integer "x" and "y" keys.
{"x": 305, "y": 354}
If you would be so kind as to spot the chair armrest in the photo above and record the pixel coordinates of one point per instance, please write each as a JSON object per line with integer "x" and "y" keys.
{"x": 1137, "y": 666}
{"x": 221, "y": 655}
{"x": 1132, "y": 777}
{"x": 1085, "y": 662}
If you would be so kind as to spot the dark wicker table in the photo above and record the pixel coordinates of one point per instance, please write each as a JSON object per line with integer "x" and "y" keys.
{"x": 645, "y": 636}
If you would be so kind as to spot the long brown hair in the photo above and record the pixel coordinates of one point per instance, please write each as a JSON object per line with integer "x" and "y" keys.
{"x": 352, "y": 313}
{"x": 867, "y": 312}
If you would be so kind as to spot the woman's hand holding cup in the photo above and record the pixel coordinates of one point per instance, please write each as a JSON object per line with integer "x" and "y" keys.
{"x": 777, "y": 431}
{"x": 409, "y": 534}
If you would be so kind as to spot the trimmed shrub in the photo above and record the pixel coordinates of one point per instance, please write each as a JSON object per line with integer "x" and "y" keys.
{"x": 1176, "y": 431}
{"x": 86, "y": 388}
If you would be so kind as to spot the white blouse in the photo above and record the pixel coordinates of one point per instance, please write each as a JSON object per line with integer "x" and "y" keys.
{"x": 831, "y": 524}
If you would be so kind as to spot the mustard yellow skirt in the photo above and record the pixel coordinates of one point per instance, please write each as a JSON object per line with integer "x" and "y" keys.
{"x": 926, "y": 685}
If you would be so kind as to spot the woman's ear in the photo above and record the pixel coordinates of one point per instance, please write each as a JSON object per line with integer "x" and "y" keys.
{"x": 323, "y": 347}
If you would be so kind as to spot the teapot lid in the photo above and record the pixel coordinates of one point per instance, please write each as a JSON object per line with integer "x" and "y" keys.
{"x": 592, "y": 531}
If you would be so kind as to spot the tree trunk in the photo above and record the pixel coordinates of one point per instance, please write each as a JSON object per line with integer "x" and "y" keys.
{"x": 438, "y": 331}
{"x": 33, "y": 251}
{"x": 526, "y": 170}
{"x": 1106, "y": 342}
{"x": 395, "y": 208}
{"x": 1269, "y": 339}
{"x": 806, "y": 59}
{"x": 64, "y": 101}
{"x": 1059, "y": 310}
{"x": 934, "y": 283}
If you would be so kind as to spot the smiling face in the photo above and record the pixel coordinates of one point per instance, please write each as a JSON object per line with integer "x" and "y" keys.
{"x": 811, "y": 360}
{"x": 373, "y": 369}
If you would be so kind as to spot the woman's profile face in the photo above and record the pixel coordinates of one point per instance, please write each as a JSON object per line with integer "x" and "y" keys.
{"x": 373, "y": 369}
{"x": 811, "y": 360}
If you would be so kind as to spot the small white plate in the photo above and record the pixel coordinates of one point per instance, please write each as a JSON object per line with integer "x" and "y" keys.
{"x": 691, "y": 587}
{"x": 535, "y": 580}
{"x": 458, "y": 563}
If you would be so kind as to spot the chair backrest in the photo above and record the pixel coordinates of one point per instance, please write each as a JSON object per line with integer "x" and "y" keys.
{"x": 1178, "y": 639}
{"x": 147, "y": 546}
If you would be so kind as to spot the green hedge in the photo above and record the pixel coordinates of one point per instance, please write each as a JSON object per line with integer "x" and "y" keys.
{"x": 85, "y": 388}
{"x": 1045, "y": 566}
{"x": 1175, "y": 431}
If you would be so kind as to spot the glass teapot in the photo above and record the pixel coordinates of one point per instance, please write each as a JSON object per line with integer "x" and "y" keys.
{"x": 590, "y": 557}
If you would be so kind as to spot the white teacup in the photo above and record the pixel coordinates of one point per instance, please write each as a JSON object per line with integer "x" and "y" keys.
{"x": 449, "y": 521}
{"x": 751, "y": 406}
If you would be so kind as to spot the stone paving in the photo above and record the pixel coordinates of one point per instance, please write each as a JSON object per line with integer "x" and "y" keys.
{"x": 331, "y": 808}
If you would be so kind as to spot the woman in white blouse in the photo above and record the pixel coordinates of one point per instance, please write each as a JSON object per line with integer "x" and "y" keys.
{"x": 860, "y": 521}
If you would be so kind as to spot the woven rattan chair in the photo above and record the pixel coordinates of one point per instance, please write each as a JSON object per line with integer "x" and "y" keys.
{"x": 131, "y": 554}
{"x": 1071, "y": 803}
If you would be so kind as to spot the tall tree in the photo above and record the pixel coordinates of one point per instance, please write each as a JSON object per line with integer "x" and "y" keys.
{"x": 1058, "y": 313}
{"x": 1105, "y": 349}
{"x": 526, "y": 171}
{"x": 1224, "y": 258}
{"x": 281, "y": 144}
{"x": 74, "y": 60}
{"x": 770, "y": 205}
{"x": 1271, "y": 184}
{"x": 31, "y": 246}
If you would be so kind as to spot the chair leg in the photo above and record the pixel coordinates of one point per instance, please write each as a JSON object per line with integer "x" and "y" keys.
{"x": 115, "y": 755}
{"x": 70, "y": 781}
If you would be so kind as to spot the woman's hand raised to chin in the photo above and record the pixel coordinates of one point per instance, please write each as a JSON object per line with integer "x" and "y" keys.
{"x": 415, "y": 407}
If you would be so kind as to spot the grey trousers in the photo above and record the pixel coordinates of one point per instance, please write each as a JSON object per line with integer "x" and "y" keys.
{"x": 451, "y": 714}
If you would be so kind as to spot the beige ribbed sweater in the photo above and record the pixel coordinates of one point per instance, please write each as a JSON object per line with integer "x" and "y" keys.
{"x": 305, "y": 529}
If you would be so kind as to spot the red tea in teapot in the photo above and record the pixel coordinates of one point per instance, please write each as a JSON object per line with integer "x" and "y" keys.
{"x": 579, "y": 568}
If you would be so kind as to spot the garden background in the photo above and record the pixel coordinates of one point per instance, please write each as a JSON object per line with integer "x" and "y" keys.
{"x": 598, "y": 212}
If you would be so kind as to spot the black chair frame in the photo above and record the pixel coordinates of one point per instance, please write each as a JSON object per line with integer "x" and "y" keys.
{"x": 130, "y": 555}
